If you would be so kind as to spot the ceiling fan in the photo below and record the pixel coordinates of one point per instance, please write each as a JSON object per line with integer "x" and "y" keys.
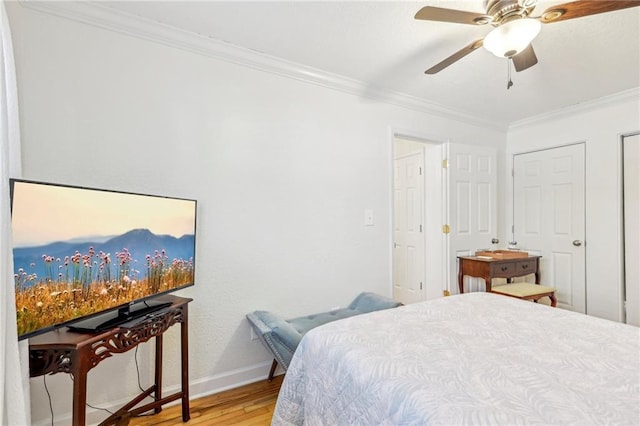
{"x": 514, "y": 27}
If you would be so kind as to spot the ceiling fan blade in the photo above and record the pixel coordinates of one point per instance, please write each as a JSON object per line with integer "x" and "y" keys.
{"x": 578, "y": 9}
{"x": 455, "y": 57}
{"x": 430, "y": 13}
{"x": 525, "y": 59}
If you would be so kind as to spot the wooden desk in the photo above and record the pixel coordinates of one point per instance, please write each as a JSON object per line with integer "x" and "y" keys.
{"x": 63, "y": 351}
{"x": 497, "y": 268}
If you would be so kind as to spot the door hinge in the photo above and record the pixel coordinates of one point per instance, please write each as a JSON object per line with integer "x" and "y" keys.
{"x": 420, "y": 227}
{"x": 512, "y": 173}
{"x": 420, "y": 285}
{"x": 445, "y": 164}
{"x": 446, "y": 229}
{"x": 420, "y": 170}
{"x": 512, "y": 229}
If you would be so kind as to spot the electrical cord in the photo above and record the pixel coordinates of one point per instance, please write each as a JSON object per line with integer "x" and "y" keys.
{"x": 99, "y": 408}
{"x": 46, "y": 388}
{"x": 91, "y": 406}
{"x": 135, "y": 357}
{"x": 44, "y": 379}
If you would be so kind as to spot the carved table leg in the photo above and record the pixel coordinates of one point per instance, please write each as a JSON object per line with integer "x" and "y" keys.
{"x": 158, "y": 374}
{"x": 184, "y": 340}
{"x": 79, "y": 372}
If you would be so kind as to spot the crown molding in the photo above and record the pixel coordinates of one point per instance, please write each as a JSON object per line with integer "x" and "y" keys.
{"x": 561, "y": 113}
{"x": 114, "y": 20}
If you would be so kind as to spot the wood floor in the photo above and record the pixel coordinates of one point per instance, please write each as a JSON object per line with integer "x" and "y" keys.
{"x": 252, "y": 404}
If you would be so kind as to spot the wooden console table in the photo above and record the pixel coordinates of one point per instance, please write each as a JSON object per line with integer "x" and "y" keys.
{"x": 496, "y": 268}
{"x": 63, "y": 351}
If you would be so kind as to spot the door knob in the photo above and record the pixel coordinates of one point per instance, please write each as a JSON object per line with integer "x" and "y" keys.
{"x": 577, "y": 243}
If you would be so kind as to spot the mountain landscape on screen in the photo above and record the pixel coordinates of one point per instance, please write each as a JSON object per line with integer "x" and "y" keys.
{"x": 138, "y": 243}
{"x": 65, "y": 280}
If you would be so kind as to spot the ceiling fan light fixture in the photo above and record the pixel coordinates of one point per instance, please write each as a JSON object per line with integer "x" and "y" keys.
{"x": 511, "y": 38}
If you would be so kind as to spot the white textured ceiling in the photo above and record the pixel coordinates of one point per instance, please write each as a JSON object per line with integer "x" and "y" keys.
{"x": 381, "y": 45}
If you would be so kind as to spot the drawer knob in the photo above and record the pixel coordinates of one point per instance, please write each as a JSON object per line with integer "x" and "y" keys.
{"x": 525, "y": 266}
{"x": 504, "y": 268}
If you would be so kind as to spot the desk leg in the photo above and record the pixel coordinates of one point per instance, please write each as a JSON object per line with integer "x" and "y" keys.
{"x": 80, "y": 392}
{"x": 158, "y": 375}
{"x": 184, "y": 340}
{"x": 460, "y": 277}
{"x": 487, "y": 283}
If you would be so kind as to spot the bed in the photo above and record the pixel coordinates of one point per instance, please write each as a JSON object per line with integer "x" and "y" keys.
{"x": 476, "y": 358}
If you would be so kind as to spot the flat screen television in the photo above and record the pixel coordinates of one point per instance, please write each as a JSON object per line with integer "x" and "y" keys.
{"x": 90, "y": 258}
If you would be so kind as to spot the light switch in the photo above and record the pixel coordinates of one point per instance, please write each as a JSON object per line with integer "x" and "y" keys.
{"x": 368, "y": 217}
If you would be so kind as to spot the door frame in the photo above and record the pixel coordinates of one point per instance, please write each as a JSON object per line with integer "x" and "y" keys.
{"x": 430, "y": 238}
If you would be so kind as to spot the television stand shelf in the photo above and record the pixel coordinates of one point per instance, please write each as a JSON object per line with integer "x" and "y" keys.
{"x": 63, "y": 351}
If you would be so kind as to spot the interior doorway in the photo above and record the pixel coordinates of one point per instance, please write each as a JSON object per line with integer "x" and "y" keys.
{"x": 418, "y": 202}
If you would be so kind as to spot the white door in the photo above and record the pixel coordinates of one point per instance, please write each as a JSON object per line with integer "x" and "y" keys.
{"x": 549, "y": 218}
{"x": 471, "y": 178}
{"x": 408, "y": 249}
{"x": 631, "y": 150}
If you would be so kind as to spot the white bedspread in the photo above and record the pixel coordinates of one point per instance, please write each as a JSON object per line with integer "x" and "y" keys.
{"x": 477, "y": 358}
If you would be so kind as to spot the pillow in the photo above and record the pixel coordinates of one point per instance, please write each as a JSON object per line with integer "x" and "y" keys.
{"x": 369, "y": 302}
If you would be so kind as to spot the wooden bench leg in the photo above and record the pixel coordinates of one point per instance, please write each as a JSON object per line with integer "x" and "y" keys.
{"x": 274, "y": 364}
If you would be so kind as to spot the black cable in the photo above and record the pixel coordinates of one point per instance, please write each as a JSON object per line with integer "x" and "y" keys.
{"x": 89, "y": 405}
{"x": 44, "y": 379}
{"x": 135, "y": 356}
{"x": 98, "y": 408}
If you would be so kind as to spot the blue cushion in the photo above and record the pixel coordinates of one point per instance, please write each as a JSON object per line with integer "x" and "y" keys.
{"x": 278, "y": 334}
{"x": 369, "y": 302}
{"x": 283, "y": 336}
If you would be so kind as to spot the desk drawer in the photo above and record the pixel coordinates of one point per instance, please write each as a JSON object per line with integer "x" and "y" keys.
{"x": 526, "y": 267}
{"x": 504, "y": 270}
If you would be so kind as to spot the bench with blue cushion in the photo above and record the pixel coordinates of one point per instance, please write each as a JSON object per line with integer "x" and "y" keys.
{"x": 282, "y": 336}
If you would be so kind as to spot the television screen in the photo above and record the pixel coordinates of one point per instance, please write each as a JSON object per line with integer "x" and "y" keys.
{"x": 80, "y": 252}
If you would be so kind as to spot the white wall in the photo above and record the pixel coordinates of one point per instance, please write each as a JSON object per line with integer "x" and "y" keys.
{"x": 600, "y": 127}
{"x": 282, "y": 170}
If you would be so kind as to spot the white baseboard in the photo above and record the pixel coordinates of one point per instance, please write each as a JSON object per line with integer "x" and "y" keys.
{"x": 198, "y": 388}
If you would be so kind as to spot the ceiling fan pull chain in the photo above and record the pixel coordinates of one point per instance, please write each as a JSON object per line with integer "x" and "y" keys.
{"x": 509, "y": 83}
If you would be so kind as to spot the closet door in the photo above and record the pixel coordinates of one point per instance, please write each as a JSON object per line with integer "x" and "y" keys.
{"x": 549, "y": 218}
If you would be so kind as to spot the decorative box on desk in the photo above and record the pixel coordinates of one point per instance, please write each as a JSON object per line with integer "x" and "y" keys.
{"x": 502, "y": 254}
{"x": 63, "y": 351}
{"x": 497, "y": 264}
